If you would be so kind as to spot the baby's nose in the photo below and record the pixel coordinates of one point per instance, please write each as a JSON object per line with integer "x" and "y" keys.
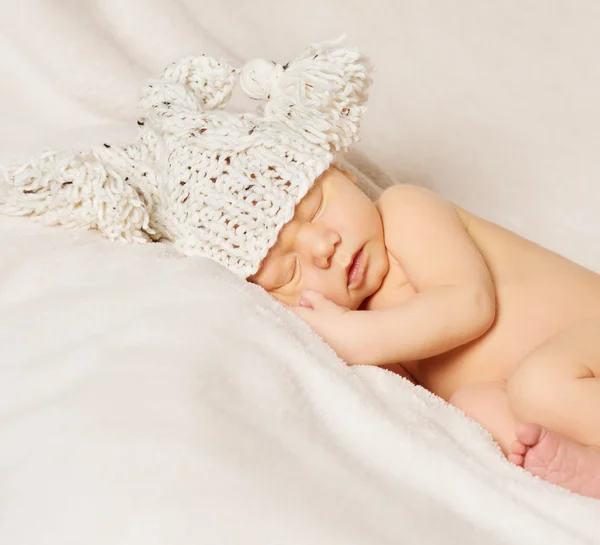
{"x": 323, "y": 247}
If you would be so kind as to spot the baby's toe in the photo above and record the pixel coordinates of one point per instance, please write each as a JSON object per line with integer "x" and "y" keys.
{"x": 516, "y": 459}
{"x": 517, "y": 447}
{"x": 529, "y": 434}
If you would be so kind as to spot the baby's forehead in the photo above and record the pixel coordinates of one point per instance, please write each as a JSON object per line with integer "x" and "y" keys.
{"x": 287, "y": 235}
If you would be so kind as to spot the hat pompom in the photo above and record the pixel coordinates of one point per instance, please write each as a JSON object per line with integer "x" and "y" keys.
{"x": 322, "y": 95}
{"x": 259, "y": 78}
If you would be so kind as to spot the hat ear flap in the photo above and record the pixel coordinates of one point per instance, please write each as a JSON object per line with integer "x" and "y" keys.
{"x": 188, "y": 87}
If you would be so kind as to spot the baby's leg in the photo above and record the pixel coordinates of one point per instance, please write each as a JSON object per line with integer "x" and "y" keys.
{"x": 487, "y": 404}
{"x": 558, "y": 384}
{"x": 556, "y": 391}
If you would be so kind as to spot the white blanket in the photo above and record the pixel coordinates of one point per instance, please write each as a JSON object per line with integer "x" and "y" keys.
{"x": 147, "y": 398}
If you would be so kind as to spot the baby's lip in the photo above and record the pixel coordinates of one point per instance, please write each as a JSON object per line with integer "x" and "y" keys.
{"x": 350, "y": 265}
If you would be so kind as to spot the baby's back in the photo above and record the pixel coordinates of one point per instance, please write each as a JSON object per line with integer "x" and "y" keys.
{"x": 538, "y": 293}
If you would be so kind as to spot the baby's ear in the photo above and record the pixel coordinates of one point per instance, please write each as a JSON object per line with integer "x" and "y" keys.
{"x": 350, "y": 176}
{"x": 346, "y": 173}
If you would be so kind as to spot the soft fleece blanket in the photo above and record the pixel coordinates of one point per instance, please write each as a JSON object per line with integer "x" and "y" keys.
{"x": 147, "y": 398}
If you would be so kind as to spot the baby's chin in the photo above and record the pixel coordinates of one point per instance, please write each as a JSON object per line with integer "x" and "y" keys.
{"x": 354, "y": 302}
{"x": 359, "y": 300}
{"x": 353, "y": 299}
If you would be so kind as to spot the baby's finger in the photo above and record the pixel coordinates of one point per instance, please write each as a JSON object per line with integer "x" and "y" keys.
{"x": 305, "y": 302}
{"x": 302, "y": 312}
{"x": 313, "y": 298}
{"x": 318, "y": 301}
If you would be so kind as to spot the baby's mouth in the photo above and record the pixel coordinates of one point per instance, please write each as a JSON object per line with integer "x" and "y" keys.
{"x": 354, "y": 270}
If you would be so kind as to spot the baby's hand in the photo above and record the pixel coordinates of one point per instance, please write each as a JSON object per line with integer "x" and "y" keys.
{"x": 338, "y": 326}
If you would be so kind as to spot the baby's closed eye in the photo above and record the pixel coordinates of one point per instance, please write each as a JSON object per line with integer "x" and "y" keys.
{"x": 293, "y": 270}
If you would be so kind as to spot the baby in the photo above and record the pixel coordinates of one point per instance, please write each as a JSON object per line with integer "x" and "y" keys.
{"x": 496, "y": 325}
{"x": 501, "y": 328}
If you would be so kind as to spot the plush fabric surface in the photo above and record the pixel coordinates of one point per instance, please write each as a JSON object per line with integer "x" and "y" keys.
{"x": 148, "y": 398}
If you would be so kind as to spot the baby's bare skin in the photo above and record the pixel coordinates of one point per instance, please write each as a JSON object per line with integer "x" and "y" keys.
{"x": 539, "y": 293}
{"x": 540, "y": 296}
{"x": 496, "y": 325}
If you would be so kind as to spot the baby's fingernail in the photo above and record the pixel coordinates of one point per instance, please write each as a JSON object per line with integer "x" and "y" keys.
{"x": 304, "y": 302}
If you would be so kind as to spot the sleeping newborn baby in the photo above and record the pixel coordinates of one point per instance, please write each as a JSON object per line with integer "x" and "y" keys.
{"x": 496, "y": 325}
{"x": 503, "y": 329}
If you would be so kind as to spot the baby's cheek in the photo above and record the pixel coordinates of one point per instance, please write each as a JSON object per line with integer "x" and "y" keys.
{"x": 329, "y": 287}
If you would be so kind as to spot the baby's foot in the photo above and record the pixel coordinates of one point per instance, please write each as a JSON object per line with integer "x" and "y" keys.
{"x": 557, "y": 459}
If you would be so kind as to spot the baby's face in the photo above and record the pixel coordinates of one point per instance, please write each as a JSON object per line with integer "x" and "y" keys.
{"x": 333, "y": 245}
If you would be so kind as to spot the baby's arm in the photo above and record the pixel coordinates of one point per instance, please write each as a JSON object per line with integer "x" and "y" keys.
{"x": 455, "y": 301}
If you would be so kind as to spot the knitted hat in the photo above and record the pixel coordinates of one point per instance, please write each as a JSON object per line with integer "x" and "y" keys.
{"x": 214, "y": 183}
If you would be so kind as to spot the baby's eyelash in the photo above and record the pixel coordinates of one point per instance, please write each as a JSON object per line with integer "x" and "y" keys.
{"x": 318, "y": 208}
{"x": 294, "y": 270}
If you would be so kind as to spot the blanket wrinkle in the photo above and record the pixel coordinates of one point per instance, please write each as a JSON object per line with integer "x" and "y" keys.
{"x": 147, "y": 398}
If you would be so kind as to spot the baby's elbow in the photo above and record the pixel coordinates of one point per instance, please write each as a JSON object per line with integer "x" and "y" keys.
{"x": 482, "y": 310}
{"x": 474, "y": 314}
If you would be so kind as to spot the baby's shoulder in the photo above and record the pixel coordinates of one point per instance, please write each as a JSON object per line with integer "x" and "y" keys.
{"x": 407, "y": 206}
{"x": 428, "y": 233}
{"x": 401, "y": 191}
{"x": 410, "y": 196}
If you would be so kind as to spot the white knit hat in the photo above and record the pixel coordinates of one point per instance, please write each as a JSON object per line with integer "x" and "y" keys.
{"x": 214, "y": 183}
